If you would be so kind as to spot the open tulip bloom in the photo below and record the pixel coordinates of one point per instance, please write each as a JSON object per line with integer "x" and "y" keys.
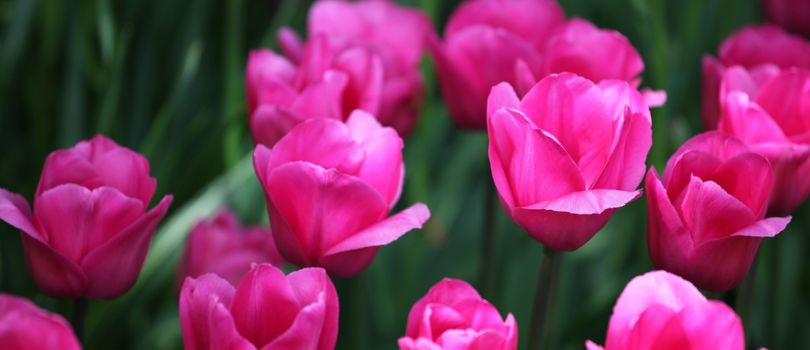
{"x": 89, "y": 230}
{"x": 329, "y": 187}
{"x": 567, "y": 155}
{"x": 706, "y": 214}
{"x": 659, "y": 310}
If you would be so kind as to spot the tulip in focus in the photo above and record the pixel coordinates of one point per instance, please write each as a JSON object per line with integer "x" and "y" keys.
{"x": 659, "y": 310}
{"x": 793, "y": 15}
{"x": 567, "y": 155}
{"x": 89, "y": 230}
{"x": 763, "y": 50}
{"x": 329, "y": 187}
{"x": 267, "y": 311}
{"x": 453, "y": 316}
{"x": 223, "y": 247}
{"x": 706, "y": 214}
{"x": 774, "y": 120}
{"x": 24, "y": 326}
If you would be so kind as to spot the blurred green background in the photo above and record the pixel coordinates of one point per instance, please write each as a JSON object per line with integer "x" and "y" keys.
{"x": 166, "y": 78}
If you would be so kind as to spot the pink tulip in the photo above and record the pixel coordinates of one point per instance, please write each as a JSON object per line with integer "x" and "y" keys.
{"x": 487, "y": 42}
{"x": 793, "y": 15}
{"x": 23, "y": 326}
{"x": 267, "y": 311}
{"x": 453, "y": 316}
{"x": 329, "y": 187}
{"x": 223, "y": 247}
{"x": 326, "y": 83}
{"x": 568, "y": 155}
{"x": 705, "y": 218}
{"x": 659, "y": 310}
{"x": 761, "y": 49}
{"x": 774, "y": 120}
{"x": 89, "y": 232}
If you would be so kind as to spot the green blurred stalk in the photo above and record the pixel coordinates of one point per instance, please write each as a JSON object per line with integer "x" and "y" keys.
{"x": 77, "y": 319}
{"x": 232, "y": 81}
{"x": 544, "y": 299}
{"x": 487, "y": 268}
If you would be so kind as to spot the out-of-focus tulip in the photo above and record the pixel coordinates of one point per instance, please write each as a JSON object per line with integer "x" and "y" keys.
{"x": 793, "y": 15}
{"x": 329, "y": 187}
{"x": 223, "y": 247}
{"x": 659, "y": 310}
{"x": 567, "y": 155}
{"x": 761, "y": 49}
{"x": 89, "y": 231}
{"x": 487, "y": 42}
{"x": 326, "y": 83}
{"x": 453, "y": 316}
{"x": 705, "y": 217}
{"x": 24, "y": 326}
{"x": 267, "y": 311}
{"x": 774, "y": 120}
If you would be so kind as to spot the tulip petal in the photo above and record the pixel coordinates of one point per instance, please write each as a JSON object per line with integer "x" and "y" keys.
{"x": 589, "y": 345}
{"x": 748, "y": 121}
{"x": 791, "y": 163}
{"x": 385, "y": 231}
{"x": 204, "y": 319}
{"x": 290, "y": 43}
{"x": 114, "y": 266}
{"x": 712, "y": 71}
{"x": 321, "y": 141}
{"x": 668, "y": 240}
{"x": 709, "y": 325}
{"x": 625, "y": 167}
{"x": 720, "y": 264}
{"x": 749, "y": 178}
{"x": 587, "y": 202}
{"x": 382, "y": 166}
{"x": 310, "y": 285}
{"x": 654, "y": 98}
{"x": 502, "y": 96}
{"x": 768, "y": 227}
{"x": 264, "y": 305}
{"x": 15, "y": 211}
{"x": 710, "y": 212}
{"x": 714, "y": 144}
{"x": 306, "y": 330}
{"x": 447, "y": 292}
{"x": 559, "y": 230}
{"x": 783, "y": 98}
{"x": 23, "y": 326}
{"x": 269, "y": 123}
{"x": 365, "y": 80}
{"x": 53, "y": 274}
{"x": 261, "y": 158}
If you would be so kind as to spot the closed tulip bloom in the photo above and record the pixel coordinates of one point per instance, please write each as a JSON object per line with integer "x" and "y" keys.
{"x": 487, "y": 42}
{"x": 453, "y": 316}
{"x": 567, "y": 155}
{"x": 760, "y": 49}
{"x": 774, "y": 120}
{"x": 793, "y": 15}
{"x": 24, "y": 326}
{"x": 267, "y": 311}
{"x": 89, "y": 230}
{"x": 659, "y": 310}
{"x": 326, "y": 83}
{"x": 329, "y": 187}
{"x": 706, "y": 214}
{"x": 223, "y": 247}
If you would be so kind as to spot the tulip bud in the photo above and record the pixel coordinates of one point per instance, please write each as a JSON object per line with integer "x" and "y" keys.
{"x": 23, "y": 325}
{"x": 659, "y": 310}
{"x": 89, "y": 231}
{"x": 567, "y": 155}
{"x": 453, "y": 316}
{"x": 267, "y": 310}
{"x": 705, "y": 218}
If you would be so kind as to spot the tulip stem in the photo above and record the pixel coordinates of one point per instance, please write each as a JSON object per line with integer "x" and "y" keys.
{"x": 79, "y": 313}
{"x": 543, "y": 299}
{"x": 487, "y": 268}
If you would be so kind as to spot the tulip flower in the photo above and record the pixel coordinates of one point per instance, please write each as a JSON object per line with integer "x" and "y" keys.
{"x": 774, "y": 120}
{"x": 329, "y": 187}
{"x": 487, "y": 42}
{"x": 659, "y": 310}
{"x": 706, "y": 214}
{"x": 223, "y": 247}
{"x": 267, "y": 311}
{"x": 567, "y": 155}
{"x": 793, "y": 15}
{"x": 23, "y": 326}
{"x": 453, "y": 316}
{"x": 89, "y": 230}
{"x": 761, "y": 49}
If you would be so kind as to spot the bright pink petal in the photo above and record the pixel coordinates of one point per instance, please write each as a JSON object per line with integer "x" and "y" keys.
{"x": 654, "y": 98}
{"x": 502, "y": 96}
{"x": 764, "y": 43}
{"x": 709, "y": 326}
{"x": 365, "y": 73}
{"x": 15, "y": 211}
{"x": 749, "y": 178}
{"x": 668, "y": 240}
{"x": 534, "y": 21}
{"x": 446, "y": 292}
{"x": 306, "y": 330}
{"x": 385, "y": 231}
{"x": 204, "y": 319}
{"x": 625, "y": 167}
{"x": 312, "y": 286}
{"x": 382, "y": 166}
{"x": 269, "y": 123}
{"x": 23, "y": 326}
{"x": 768, "y": 227}
{"x": 589, "y": 345}
{"x": 791, "y": 163}
{"x": 720, "y": 265}
{"x": 324, "y": 142}
{"x": 53, "y": 274}
{"x": 710, "y": 212}
{"x": 559, "y": 230}
{"x": 786, "y": 98}
{"x": 718, "y": 145}
{"x": 748, "y": 121}
{"x": 290, "y": 43}
{"x": 587, "y": 202}
{"x": 264, "y": 305}
{"x": 712, "y": 71}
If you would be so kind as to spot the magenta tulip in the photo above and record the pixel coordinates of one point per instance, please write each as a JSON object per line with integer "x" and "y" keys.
{"x": 24, "y": 326}
{"x": 453, "y": 316}
{"x": 761, "y": 49}
{"x": 223, "y": 247}
{"x": 568, "y": 155}
{"x": 774, "y": 120}
{"x": 659, "y": 310}
{"x": 89, "y": 231}
{"x": 329, "y": 187}
{"x": 705, "y": 217}
{"x": 487, "y": 42}
{"x": 267, "y": 311}
{"x": 793, "y": 15}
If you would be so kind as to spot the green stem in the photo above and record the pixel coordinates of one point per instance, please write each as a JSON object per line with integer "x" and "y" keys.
{"x": 79, "y": 313}
{"x": 487, "y": 268}
{"x": 543, "y": 299}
